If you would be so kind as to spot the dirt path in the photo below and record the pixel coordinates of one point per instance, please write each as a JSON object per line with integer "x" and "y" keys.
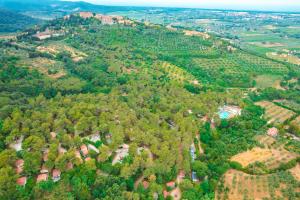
{"x": 138, "y": 181}
{"x": 201, "y": 151}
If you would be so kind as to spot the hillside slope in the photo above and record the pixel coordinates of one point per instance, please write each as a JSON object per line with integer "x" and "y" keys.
{"x": 11, "y": 21}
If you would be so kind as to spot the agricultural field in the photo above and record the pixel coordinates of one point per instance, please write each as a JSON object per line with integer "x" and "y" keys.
{"x": 265, "y": 81}
{"x": 274, "y": 113}
{"x": 178, "y": 74}
{"x": 51, "y": 68}
{"x": 56, "y": 48}
{"x": 266, "y": 141}
{"x": 284, "y": 57}
{"x": 271, "y": 158}
{"x": 288, "y": 103}
{"x": 239, "y": 61}
{"x": 238, "y": 185}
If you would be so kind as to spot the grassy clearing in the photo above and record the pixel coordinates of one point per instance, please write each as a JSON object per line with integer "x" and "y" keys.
{"x": 265, "y": 81}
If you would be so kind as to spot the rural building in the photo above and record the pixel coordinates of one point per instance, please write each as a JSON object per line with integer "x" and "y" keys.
{"x": 193, "y": 152}
{"x": 56, "y": 175}
{"x": 121, "y": 153}
{"x": 47, "y": 34}
{"x": 194, "y": 177}
{"x": 42, "y": 177}
{"x": 145, "y": 184}
{"x": 22, "y": 181}
{"x": 273, "y": 132}
{"x": 17, "y": 145}
{"x": 86, "y": 15}
{"x": 69, "y": 165}
{"x": 94, "y": 137}
{"x": 45, "y": 155}
{"x": 84, "y": 150}
{"x": 44, "y": 169}
{"x": 78, "y": 155}
{"x": 166, "y": 193}
{"x": 171, "y": 184}
{"x": 93, "y": 148}
{"x": 87, "y": 159}
{"x": 19, "y": 166}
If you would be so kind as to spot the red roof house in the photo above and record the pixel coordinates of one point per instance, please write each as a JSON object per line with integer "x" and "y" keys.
{"x": 19, "y": 165}
{"x": 22, "y": 181}
{"x": 171, "y": 184}
{"x": 146, "y": 184}
{"x": 273, "y": 132}
{"x": 42, "y": 177}
{"x": 84, "y": 150}
{"x": 56, "y": 175}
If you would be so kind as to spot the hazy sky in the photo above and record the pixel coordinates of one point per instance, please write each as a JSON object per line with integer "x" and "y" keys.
{"x": 292, "y": 5}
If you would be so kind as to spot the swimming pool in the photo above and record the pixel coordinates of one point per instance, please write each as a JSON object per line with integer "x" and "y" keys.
{"x": 224, "y": 114}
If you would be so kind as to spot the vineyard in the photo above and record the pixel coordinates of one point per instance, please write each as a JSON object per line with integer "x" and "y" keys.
{"x": 274, "y": 113}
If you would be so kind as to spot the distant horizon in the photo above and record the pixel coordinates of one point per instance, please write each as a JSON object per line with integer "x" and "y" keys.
{"x": 253, "y": 5}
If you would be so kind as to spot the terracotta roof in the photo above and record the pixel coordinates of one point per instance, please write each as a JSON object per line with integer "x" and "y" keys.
{"x": 22, "y": 181}
{"x": 19, "y": 163}
{"x": 19, "y": 166}
{"x": 166, "y": 193}
{"x": 145, "y": 184}
{"x": 70, "y": 165}
{"x": 86, "y": 14}
{"x": 273, "y": 132}
{"x": 42, "y": 177}
{"x": 56, "y": 173}
{"x": 84, "y": 150}
{"x": 87, "y": 159}
{"x": 171, "y": 184}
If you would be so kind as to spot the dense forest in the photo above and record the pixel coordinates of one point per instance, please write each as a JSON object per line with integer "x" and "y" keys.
{"x": 146, "y": 93}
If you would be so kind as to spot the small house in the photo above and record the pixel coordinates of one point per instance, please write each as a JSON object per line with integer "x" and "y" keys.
{"x": 56, "y": 175}
{"x": 42, "y": 177}
{"x": 194, "y": 177}
{"x": 19, "y": 166}
{"x": 145, "y": 184}
{"x": 84, "y": 150}
{"x": 17, "y": 145}
{"x": 93, "y": 148}
{"x": 171, "y": 184}
{"x": 69, "y": 166}
{"x": 273, "y": 132}
{"x": 44, "y": 169}
{"x": 22, "y": 181}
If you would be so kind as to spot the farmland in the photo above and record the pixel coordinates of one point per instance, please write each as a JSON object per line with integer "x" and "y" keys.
{"x": 274, "y": 113}
{"x": 271, "y": 158}
{"x": 265, "y": 81}
{"x": 238, "y": 186}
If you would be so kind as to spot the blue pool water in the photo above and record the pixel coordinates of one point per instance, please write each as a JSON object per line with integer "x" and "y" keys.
{"x": 224, "y": 114}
